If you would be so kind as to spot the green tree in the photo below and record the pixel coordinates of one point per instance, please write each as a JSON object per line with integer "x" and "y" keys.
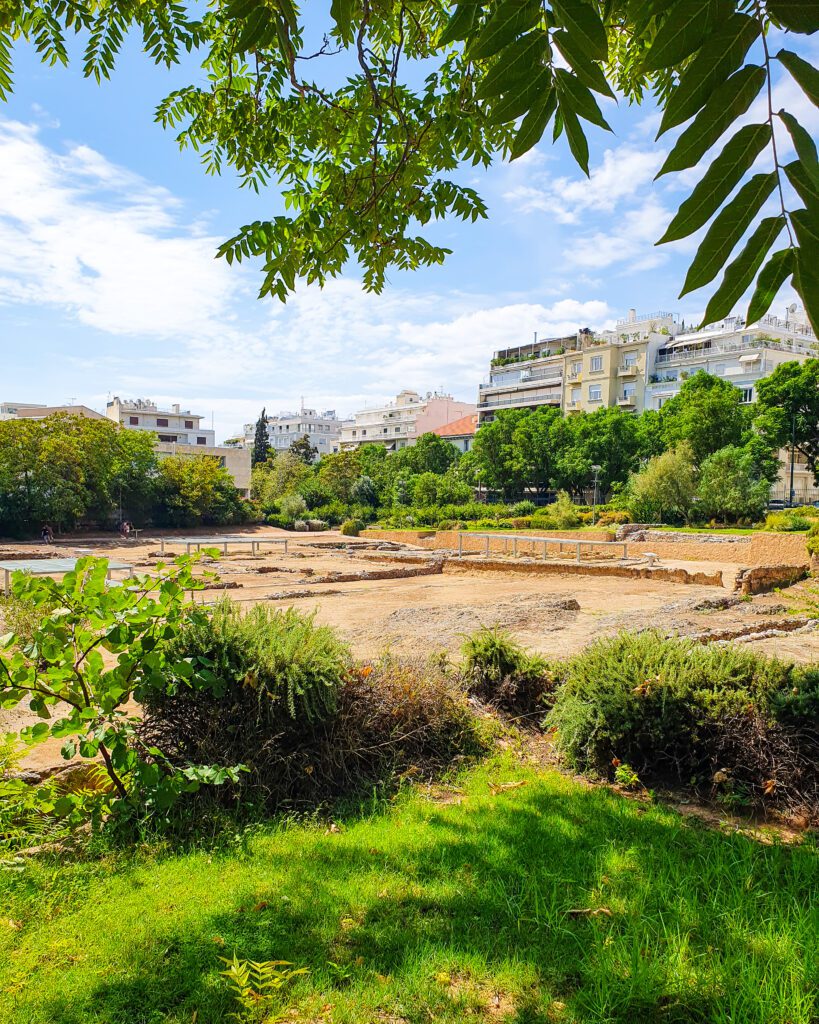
{"x": 537, "y": 439}
{"x": 788, "y": 409}
{"x": 196, "y": 490}
{"x": 609, "y": 438}
{"x": 707, "y": 413}
{"x": 304, "y": 449}
{"x": 364, "y": 137}
{"x": 730, "y": 487}
{"x": 425, "y": 489}
{"x": 665, "y": 487}
{"x": 338, "y": 472}
{"x": 494, "y": 460}
{"x": 261, "y": 441}
{"x": 364, "y": 492}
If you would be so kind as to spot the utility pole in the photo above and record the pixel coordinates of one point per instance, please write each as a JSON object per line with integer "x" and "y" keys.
{"x": 594, "y": 506}
{"x": 793, "y": 455}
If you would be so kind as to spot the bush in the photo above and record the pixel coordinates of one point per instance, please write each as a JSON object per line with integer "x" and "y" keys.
{"x": 499, "y": 671}
{"x": 613, "y": 517}
{"x": 522, "y": 508}
{"x": 316, "y": 525}
{"x": 564, "y": 513}
{"x": 276, "y": 519}
{"x": 792, "y": 520}
{"x": 813, "y": 539}
{"x": 721, "y": 718}
{"x": 292, "y": 506}
{"x": 334, "y": 513}
{"x": 451, "y": 524}
{"x": 352, "y": 527}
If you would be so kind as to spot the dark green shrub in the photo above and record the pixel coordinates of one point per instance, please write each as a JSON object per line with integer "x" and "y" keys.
{"x": 276, "y": 519}
{"x": 717, "y": 716}
{"x": 351, "y": 527}
{"x": 522, "y": 508}
{"x": 499, "y": 671}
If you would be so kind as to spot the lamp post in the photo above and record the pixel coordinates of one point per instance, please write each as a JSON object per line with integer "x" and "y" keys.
{"x": 596, "y": 471}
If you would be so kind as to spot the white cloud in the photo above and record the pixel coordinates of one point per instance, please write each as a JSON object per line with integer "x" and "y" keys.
{"x": 83, "y": 234}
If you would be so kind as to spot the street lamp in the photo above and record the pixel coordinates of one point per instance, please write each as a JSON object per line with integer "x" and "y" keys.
{"x": 596, "y": 470}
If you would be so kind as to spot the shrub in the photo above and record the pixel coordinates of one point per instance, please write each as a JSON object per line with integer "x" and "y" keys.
{"x": 792, "y": 520}
{"x": 813, "y": 539}
{"x": 501, "y": 672}
{"x": 451, "y": 524}
{"x": 542, "y": 521}
{"x": 275, "y": 519}
{"x": 316, "y": 525}
{"x": 292, "y": 506}
{"x": 613, "y": 517}
{"x": 352, "y": 527}
{"x": 522, "y": 508}
{"x": 563, "y": 512}
{"x": 334, "y": 513}
{"x": 516, "y": 523}
{"x": 719, "y": 717}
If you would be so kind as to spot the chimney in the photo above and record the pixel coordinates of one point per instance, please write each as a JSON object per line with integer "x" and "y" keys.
{"x": 175, "y": 407}
{"x": 632, "y": 315}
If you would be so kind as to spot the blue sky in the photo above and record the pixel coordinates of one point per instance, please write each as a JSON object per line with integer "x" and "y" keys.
{"x": 108, "y": 283}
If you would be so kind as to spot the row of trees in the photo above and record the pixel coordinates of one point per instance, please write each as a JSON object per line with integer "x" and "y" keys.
{"x": 66, "y": 470}
{"x": 704, "y": 448}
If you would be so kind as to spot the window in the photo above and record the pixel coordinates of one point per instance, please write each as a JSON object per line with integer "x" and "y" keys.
{"x": 363, "y": 433}
{"x": 201, "y": 440}
{"x": 747, "y": 339}
{"x": 576, "y": 368}
{"x": 596, "y": 364}
{"x": 719, "y": 369}
{"x": 188, "y": 424}
{"x": 746, "y": 395}
{"x": 595, "y": 393}
{"x": 133, "y": 420}
{"x": 630, "y": 360}
{"x": 386, "y": 430}
{"x": 629, "y": 391}
{"x": 161, "y": 422}
{"x": 168, "y": 438}
{"x": 398, "y": 430}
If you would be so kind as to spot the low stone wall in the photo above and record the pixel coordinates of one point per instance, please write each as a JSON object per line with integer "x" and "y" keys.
{"x": 755, "y": 549}
{"x": 762, "y": 578}
{"x": 455, "y": 566}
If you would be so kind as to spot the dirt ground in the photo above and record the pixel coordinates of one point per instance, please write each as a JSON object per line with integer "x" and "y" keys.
{"x": 556, "y": 614}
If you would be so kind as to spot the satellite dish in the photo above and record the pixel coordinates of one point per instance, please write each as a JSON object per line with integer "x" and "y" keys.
{"x": 793, "y": 307}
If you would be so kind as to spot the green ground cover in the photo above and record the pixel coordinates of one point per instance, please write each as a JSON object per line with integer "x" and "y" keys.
{"x": 547, "y": 901}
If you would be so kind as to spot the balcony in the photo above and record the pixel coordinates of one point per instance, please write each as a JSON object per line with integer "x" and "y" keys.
{"x": 523, "y": 399}
{"x": 627, "y": 401}
{"x": 629, "y": 370}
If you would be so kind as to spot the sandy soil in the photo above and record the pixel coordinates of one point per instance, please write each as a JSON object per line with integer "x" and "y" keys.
{"x": 554, "y": 614}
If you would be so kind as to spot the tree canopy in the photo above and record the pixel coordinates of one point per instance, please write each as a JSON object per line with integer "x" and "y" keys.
{"x": 365, "y": 129}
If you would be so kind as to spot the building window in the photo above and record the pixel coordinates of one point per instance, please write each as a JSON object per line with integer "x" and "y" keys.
{"x": 363, "y": 433}
{"x": 595, "y": 393}
{"x": 576, "y": 368}
{"x": 596, "y": 364}
{"x": 575, "y": 395}
{"x": 746, "y": 395}
{"x": 188, "y": 424}
{"x": 398, "y": 430}
{"x": 133, "y": 420}
{"x": 719, "y": 369}
{"x": 201, "y": 440}
{"x": 629, "y": 391}
{"x": 161, "y": 422}
{"x": 630, "y": 360}
{"x": 168, "y": 438}
{"x": 747, "y": 339}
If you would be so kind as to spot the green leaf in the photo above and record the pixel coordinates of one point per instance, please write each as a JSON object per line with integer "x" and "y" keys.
{"x": 771, "y": 278}
{"x": 806, "y": 282}
{"x": 802, "y": 183}
{"x": 341, "y": 12}
{"x": 683, "y": 31}
{"x": 719, "y": 180}
{"x": 588, "y": 71}
{"x": 804, "y": 145}
{"x": 721, "y": 54}
{"x": 510, "y": 19}
{"x": 728, "y": 227}
{"x": 584, "y": 26}
{"x": 580, "y": 100}
{"x": 805, "y": 74}
{"x": 742, "y": 271}
{"x": 798, "y": 15}
{"x": 724, "y": 106}
{"x": 517, "y": 101}
{"x": 806, "y": 225}
{"x": 577, "y": 140}
{"x": 534, "y": 125}
{"x": 517, "y": 63}
{"x": 459, "y": 25}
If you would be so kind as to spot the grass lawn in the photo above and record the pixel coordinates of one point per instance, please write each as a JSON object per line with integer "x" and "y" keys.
{"x": 432, "y": 911}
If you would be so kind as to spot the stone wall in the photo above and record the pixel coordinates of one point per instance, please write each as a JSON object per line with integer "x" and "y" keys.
{"x": 455, "y": 566}
{"x": 762, "y": 578}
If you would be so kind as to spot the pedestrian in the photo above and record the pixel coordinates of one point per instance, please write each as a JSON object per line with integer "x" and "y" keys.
{"x": 47, "y": 534}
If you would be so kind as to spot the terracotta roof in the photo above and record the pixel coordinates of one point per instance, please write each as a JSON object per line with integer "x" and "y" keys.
{"x": 464, "y": 427}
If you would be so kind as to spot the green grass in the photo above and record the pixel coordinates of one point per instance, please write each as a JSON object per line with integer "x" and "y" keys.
{"x": 432, "y": 912}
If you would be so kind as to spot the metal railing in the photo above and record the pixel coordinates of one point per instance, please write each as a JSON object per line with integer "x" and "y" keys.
{"x": 578, "y": 545}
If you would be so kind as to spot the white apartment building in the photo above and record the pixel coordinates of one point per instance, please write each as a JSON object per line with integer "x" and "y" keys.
{"x": 323, "y": 430}
{"x": 400, "y": 423}
{"x": 179, "y": 432}
{"x": 171, "y": 426}
{"x": 31, "y": 411}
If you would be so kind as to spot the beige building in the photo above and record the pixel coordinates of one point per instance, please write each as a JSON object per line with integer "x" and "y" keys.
{"x": 400, "y": 423}
{"x": 322, "y": 429}
{"x": 180, "y": 432}
{"x": 28, "y": 410}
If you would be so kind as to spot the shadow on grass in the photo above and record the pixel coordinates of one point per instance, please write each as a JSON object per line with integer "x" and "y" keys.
{"x": 535, "y": 905}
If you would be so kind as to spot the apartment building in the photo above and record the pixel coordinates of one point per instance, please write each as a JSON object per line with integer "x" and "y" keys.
{"x": 29, "y": 410}
{"x": 179, "y": 432}
{"x": 323, "y": 430}
{"x": 580, "y": 372}
{"x": 400, "y": 423}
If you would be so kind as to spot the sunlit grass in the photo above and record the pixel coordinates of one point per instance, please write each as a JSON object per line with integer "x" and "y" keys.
{"x": 549, "y": 901}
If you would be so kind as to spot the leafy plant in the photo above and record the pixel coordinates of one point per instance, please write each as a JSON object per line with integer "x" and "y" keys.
{"x": 351, "y": 527}
{"x": 60, "y": 669}
{"x": 500, "y": 671}
{"x": 254, "y": 984}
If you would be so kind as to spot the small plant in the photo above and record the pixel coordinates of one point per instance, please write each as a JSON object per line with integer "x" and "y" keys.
{"x": 625, "y": 775}
{"x": 563, "y": 512}
{"x": 498, "y": 670}
{"x": 254, "y": 984}
{"x": 293, "y": 507}
{"x": 351, "y": 527}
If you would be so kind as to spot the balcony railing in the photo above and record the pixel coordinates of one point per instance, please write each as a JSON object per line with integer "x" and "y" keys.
{"x": 629, "y": 370}
{"x": 489, "y": 402}
{"x": 695, "y": 352}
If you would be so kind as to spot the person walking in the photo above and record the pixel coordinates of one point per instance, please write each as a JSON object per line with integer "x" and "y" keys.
{"x": 47, "y": 534}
